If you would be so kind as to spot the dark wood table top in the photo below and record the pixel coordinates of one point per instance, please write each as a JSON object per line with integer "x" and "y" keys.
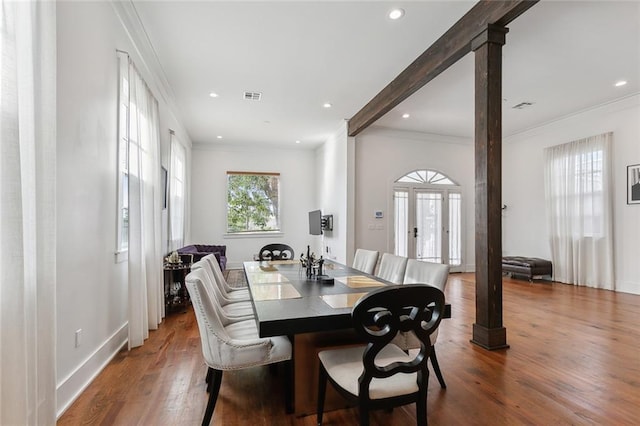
{"x": 305, "y": 314}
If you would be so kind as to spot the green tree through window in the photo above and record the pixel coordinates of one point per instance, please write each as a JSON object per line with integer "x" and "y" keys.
{"x": 253, "y": 202}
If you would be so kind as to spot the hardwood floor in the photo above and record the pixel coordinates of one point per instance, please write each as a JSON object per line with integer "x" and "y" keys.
{"x": 574, "y": 360}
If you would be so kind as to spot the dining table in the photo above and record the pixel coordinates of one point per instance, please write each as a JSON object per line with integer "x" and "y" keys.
{"x": 315, "y": 312}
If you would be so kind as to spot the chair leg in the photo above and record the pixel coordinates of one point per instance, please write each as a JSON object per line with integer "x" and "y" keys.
{"x": 421, "y": 411}
{"x": 364, "y": 414}
{"x": 207, "y": 379}
{"x": 214, "y": 389}
{"x": 436, "y": 367}
{"x": 288, "y": 386}
{"x": 322, "y": 389}
{"x": 273, "y": 369}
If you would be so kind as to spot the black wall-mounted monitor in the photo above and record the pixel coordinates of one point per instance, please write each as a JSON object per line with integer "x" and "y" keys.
{"x": 315, "y": 222}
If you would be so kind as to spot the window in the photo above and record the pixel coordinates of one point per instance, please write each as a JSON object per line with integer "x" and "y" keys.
{"x": 430, "y": 177}
{"x": 578, "y": 186}
{"x": 401, "y": 225}
{"x": 177, "y": 189}
{"x": 579, "y": 207}
{"x": 253, "y": 202}
{"x": 122, "y": 240}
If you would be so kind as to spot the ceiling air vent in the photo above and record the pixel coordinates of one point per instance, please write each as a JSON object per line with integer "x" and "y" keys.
{"x": 252, "y": 96}
{"x": 522, "y": 105}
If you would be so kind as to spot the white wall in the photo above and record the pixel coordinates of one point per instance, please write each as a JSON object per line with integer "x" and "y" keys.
{"x": 92, "y": 288}
{"x": 332, "y": 183}
{"x": 524, "y": 221}
{"x": 209, "y": 201}
{"x": 382, "y": 156}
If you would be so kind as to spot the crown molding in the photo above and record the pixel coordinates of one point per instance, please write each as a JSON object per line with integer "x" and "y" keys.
{"x": 631, "y": 100}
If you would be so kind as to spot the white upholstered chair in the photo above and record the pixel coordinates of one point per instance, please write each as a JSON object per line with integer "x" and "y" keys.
{"x": 232, "y": 309}
{"x": 380, "y": 374}
{"x": 433, "y": 274}
{"x": 232, "y": 345}
{"x": 392, "y": 268}
{"x": 234, "y": 294}
{"x": 365, "y": 260}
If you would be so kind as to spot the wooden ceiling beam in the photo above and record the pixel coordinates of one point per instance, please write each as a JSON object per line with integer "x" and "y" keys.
{"x": 446, "y": 51}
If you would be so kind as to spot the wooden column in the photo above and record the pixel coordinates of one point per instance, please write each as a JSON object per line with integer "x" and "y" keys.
{"x": 488, "y": 330}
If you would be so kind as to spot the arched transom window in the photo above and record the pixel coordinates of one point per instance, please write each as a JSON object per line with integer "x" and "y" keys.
{"x": 431, "y": 177}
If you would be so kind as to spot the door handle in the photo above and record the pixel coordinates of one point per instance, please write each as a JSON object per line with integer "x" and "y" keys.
{"x": 415, "y": 232}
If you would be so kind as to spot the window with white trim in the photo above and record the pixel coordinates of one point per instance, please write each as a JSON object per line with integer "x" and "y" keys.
{"x": 122, "y": 238}
{"x": 253, "y": 202}
{"x": 177, "y": 190}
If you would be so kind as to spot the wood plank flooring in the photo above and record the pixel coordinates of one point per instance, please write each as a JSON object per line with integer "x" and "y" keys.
{"x": 574, "y": 360}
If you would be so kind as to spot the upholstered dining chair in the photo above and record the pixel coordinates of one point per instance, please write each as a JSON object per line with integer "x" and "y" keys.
{"x": 276, "y": 251}
{"x": 231, "y": 309}
{"x": 232, "y": 346}
{"x": 234, "y": 294}
{"x": 228, "y": 314}
{"x": 392, "y": 268}
{"x": 365, "y": 260}
{"x": 381, "y": 375}
{"x": 436, "y": 275}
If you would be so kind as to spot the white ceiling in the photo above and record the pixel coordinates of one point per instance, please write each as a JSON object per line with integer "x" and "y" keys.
{"x": 561, "y": 56}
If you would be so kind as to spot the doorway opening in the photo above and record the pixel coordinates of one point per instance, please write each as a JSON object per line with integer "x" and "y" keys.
{"x": 428, "y": 218}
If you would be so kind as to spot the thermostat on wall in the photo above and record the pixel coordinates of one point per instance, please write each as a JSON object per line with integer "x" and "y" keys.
{"x": 378, "y": 214}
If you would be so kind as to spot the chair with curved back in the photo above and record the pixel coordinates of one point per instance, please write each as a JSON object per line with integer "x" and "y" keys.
{"x": 232, "y": 312}
{"x": 234, "y": 294}
{"x": 365, "y": 260}
{"x": 276, "y": 251}
{"x": 381, "y": 375}
{"x": 233, "y": 309}
{"x": 436, "y": 275}
{"x": 392, "y": 268}
{"x": 232, "y": 345}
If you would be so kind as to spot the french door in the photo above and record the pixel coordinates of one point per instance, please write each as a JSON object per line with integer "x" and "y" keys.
{"x": 428, "y": 225}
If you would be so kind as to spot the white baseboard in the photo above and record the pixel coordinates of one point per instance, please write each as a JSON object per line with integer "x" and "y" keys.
{"x": 627, "y": 287}
{"x": 70, "y": 387}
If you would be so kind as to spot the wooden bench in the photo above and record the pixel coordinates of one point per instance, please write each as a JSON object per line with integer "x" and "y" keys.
{"x": 530, "y": 267}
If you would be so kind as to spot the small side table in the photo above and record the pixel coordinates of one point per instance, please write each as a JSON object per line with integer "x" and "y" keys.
{"x": 176, "y": 297}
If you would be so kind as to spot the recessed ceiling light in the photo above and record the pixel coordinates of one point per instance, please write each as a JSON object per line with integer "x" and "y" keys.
{"x": 219, "y": 137}
{"x": 213, "y": 94}
{"x": 621, "y": 83}
{"x": 297, "y": 141}
{"x": 326, "y": 105}
{"x": 405, "y": 115}
{"x": 396, "y": 13}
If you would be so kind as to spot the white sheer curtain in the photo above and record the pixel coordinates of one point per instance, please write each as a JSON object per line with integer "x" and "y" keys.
{"x": 177, "y": 194}
{"x": 146, "y": 295}
{"x": 579, "y": 193}
{"x": 27, "y": 213}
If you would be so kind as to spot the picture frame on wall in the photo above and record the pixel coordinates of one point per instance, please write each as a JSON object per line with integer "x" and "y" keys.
{"x": 633, "y": 184}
